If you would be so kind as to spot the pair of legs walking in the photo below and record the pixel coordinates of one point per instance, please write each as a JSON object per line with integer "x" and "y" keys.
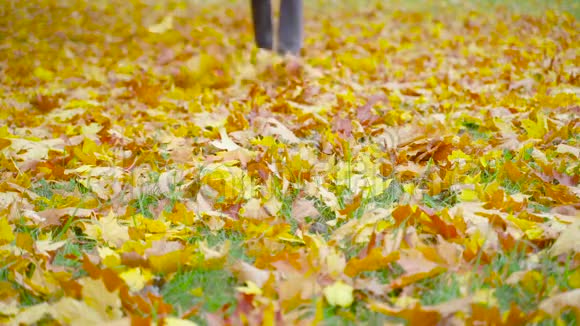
{"x": 290, "y": 28}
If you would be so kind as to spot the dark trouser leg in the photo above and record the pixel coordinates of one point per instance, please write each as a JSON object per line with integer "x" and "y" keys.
{"x": 290, "y": 29}
{"x": 262, "y": 17}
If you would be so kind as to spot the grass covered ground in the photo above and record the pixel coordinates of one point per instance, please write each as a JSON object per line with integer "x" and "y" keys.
{"x": 420, "y": 166}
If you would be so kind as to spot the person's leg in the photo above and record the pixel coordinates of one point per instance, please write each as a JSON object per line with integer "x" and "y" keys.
{"x": 290, "y": 30}
{"x": 262, "y": 18}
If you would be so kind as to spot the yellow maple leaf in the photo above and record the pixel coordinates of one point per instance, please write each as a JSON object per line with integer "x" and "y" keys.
{"x": 535, "y": 129}
{"x": 250, "y": 288}
{"x": 43, "y": 74}
{"x": 108, "y": 229}
{"x": 136, "y": 278}
{"x": 339, "y": 294}
{"x": 557, "y": 303}
{"x": 468, "y": 195}
{"x": 97, "y": 296}
{"x": 165, "y": 25}
{"x": 229, "y": 182}
{"x": 69, "y": 311}
{"x": 155, "y": 226}
{"x": 6, "y": 234}
{"x": 29, "y": 315}
{"x": 173, "y": 321}
{"x": 226, "y": 142}
{"x": 567, "y": 242}
{"x": 459, "y": 156}
{"x": 574, "y": 278}
{"x": 109, "y": 257}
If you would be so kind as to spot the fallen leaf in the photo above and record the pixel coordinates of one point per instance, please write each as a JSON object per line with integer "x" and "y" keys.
{"x": 339, "y": 294}
{"x": 6, "y": 233}
{"x": 52, "y": 216}
{"x": 555, "y": 304}
{"x": 165, "y": 25}
{"x": 567, "y": 242}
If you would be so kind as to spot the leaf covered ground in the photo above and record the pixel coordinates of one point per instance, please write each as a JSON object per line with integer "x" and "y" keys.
{"x": 421, "y": 165}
